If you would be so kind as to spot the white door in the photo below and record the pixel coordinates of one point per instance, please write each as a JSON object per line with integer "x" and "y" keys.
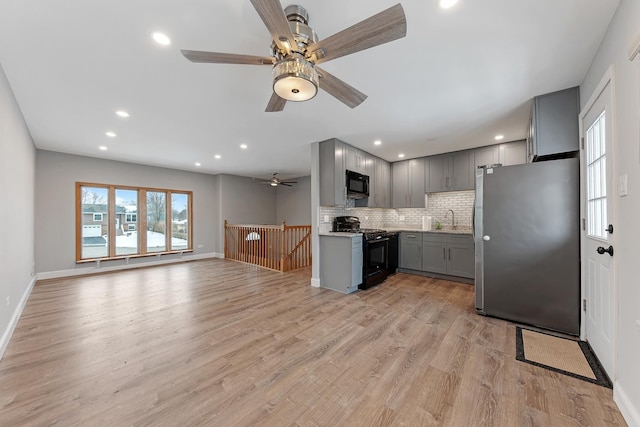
{"x": 598, "y": 242}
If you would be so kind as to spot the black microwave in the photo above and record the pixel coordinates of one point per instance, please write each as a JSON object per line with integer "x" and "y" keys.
{"x": 357, "y": 185}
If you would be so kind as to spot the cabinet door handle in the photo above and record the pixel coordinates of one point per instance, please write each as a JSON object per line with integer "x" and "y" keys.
{"x": 411, "y": 236}
{"x": 449, "y": 254}
{"x": 444, "y": 254}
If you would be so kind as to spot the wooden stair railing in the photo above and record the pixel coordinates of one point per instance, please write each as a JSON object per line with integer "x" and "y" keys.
{"x": 276, "y": 247}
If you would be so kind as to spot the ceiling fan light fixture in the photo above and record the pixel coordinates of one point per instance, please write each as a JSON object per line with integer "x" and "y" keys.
{"x": 295, "y": 79}
{"x": 273, "y": 184}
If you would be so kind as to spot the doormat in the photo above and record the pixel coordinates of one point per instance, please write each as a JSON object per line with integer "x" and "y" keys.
{"x": 566, "y": 356}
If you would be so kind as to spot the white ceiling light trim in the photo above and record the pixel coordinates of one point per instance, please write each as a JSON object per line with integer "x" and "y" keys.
{"x": 161, "y": 39}
{"x": 447, "y": 4}
{"x": 110, "y": 134}
{"x": 122, "y": 113}
{"x": 499, "y": 137}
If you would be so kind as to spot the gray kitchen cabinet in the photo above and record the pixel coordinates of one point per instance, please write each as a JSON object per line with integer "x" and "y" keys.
{"x": 341, "y": 262}
{"x": 408, "y": 179}
{"x": 410, "y": 254}
{"x": 333, "y": 186}
{"x": 381, "y": 184}
{"x": 484, "y": 156}
{"x": 553, "y": 127}
{"x": 356, "y": 160}
{"x": 451, "y": 254}
{"x": 513, "y": 153}
{"x": 450, "y": 172}
{"x": 434, "y": 256}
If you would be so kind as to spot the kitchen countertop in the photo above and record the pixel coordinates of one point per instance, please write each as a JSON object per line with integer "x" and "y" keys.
{"x": 459, "y": 230}
{"x": 338, "y": 234}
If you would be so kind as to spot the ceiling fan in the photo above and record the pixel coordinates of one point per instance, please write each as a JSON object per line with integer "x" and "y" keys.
{"x": 296, "y": 52}
{"x": 275, "y": 181}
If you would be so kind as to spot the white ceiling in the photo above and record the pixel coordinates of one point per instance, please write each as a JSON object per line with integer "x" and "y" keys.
{"x": 458, "y": 78}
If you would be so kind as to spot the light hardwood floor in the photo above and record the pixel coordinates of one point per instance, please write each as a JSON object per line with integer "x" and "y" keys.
{"x": 218, "y": 342}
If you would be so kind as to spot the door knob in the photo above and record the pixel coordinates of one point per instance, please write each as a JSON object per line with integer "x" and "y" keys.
{"x": 602, "y": 250}
{"x": 609, "y": 229}
{"x": 486, "y": 238}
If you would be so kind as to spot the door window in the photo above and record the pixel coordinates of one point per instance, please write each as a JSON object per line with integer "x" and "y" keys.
{"x": 596, "y": 179}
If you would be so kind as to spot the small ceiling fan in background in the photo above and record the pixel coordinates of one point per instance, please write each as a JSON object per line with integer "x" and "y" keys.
{"x": 296, "y": 52}
{"x": 275, "y": 181}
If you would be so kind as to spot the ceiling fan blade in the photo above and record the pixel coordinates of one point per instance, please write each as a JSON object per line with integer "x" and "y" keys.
{"x": 276, "y": 22}
{"x": 386, "y": 26}
{"x": 288, "y": 182}
{"x": 285, "y": 184}
{"x": 340, "y": 90}
{"x": 226, "y": 58}
{"x": 275, "y": 104}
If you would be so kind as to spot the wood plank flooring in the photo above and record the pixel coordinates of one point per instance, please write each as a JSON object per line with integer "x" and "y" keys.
{"x": 221, "y": 343}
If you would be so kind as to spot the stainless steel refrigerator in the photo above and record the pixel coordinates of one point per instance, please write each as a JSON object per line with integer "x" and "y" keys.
{"x": 527, "y": 243}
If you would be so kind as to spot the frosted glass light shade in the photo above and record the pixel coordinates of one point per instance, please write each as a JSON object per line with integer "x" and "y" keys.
{"x": 295, "y": 79}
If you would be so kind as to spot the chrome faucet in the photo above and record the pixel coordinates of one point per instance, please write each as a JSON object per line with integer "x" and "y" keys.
{"x": 453, "y": 218}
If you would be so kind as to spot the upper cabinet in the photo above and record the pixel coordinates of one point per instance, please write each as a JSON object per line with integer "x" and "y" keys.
{"x": 507, "y": 154}
{"x": 333, "y": 185}
{"x": 513, "y": 153}
{"x": 553, "y": 129}
{"x": 450, "y": 172}
{"x": 408, "y": 179}
{"x": 382, "y": 185}
{"x": 358, "y": 161}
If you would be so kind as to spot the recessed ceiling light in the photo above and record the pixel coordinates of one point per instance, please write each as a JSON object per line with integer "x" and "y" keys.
{"x": 161, "y": 39}
{"x": 499, "y": 137}
{"x": 122, "y": 113}
{"x": 447, "y": 4}
{"x": 110, "y": 134}
{"x": 103, "y": 147}
{"x": 243, "y": 146}
{"x": 401, "y": 155}
{"x": 218, "y": 156}
{"x": 377, "y": 142}
{"x": 198, "y": 164}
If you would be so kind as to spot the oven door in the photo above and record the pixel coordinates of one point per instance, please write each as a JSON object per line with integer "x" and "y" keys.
{"x": 376, "y": 262}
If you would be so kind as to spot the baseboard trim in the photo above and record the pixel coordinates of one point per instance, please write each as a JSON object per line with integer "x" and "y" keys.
{"x": 315, "y": 282}
{"x": 630, "y": 413}
{"x": 6, "y": 335}
{"x": 93, "y": 270}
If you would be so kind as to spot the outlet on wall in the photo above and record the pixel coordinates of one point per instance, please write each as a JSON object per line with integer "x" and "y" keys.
{"x": 401, "y": 218}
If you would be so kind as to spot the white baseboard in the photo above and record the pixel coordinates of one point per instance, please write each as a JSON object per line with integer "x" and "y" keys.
{"x": 315, "y": 282}
{"x": 93, "y": 269}
{"x": 6, "y": 335}
{"x": 630, "y": 413}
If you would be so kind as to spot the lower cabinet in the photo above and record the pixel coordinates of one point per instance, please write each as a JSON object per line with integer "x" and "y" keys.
{"x": 442, "y": 253}
{"x": 451, "y": 254}
{"x": 410, "y": 256}
{"x": 341, "y": 262}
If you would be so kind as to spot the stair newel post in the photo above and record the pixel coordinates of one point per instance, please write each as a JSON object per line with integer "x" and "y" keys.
{"x": 283, "y": 227}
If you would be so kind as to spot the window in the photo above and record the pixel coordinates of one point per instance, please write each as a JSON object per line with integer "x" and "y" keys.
{"x": 596, "y": 179}
{"x": 116, "y": 221}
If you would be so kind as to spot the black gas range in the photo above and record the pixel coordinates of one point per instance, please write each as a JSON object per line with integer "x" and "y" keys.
{"x": 379, "y": 250}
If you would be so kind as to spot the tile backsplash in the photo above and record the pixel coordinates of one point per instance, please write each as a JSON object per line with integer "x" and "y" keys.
{"x": 438, "y": 204}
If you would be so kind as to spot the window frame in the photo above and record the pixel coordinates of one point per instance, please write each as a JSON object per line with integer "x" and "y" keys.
{"x": 141, "y": 223}
{"x": 95, "y": 215}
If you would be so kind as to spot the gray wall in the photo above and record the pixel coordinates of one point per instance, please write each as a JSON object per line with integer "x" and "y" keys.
{"x": 244, "y": 200}
{"x": 622, "y": 33}
{"x": 55, "y": 219}
{"x": 17, "y": 173}
{"x": 293, "y": 204}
